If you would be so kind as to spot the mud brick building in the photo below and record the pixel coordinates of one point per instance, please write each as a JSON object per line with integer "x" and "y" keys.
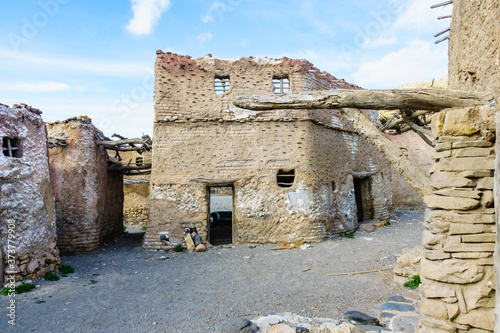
{"x": 294, "y": 175}
{"x": 25, "y": 195}
{"x": 88, "y": 196}
{"x": 136, "y": 190}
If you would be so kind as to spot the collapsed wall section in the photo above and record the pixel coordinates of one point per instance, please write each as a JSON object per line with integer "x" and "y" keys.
{"x": 27, "y": 220}
{"x": 88, "y": 196}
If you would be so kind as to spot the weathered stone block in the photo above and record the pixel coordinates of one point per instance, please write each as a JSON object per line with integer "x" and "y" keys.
{"x": 444, "y": 216}
{"x": 460, "y": 229}
{"x": 450, "y": 203}
{"x": 451, "y": 271}
{"x": 437, "y": 124}
{"x": 469, "y": 247}
{"x": 448, "y": 179}
{"x": 467, "y": 163}
{"x": 465, "y": 144}
{"x": 461, "y": 193}
{"x": 436, "y": 255}
{"x": 485, "y": 183}
{"x": 434, "y": 308}
{"x": 479, "y": 238}
{"x": 461, "y": 122}
{"x": 432, "y": 241}
{"x": 439, "y": 227}
{"x": 432, "y": 289}
{"x": 480, "y": 318}
{"x": 442, "y": 146}
{"x": 477, "y": 173}
{"x": 473, "y": 152}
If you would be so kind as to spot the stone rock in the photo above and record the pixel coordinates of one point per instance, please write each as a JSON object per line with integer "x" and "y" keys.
{"x": 450, "y": 203}
{"x": 485, "y": 183}
{"x": 437, "y": 326}
{"x": 32, "y": 266}
{"x": 432, "y": 289}
{"x": 487, "y": 199}
{"x": 453, "y": 271}
{"x": 404, "y": 323}
{"x": 448, "y": 179}
{"x": 238, "y": 325}
{"x": 480, "y": 318}
{"x": 281, "y": 328}
{"x": 461, "y": 122}
{"x": 397, "y": 307}
{"x": 467, "y": 163}
{"x": 200, "y": 248}
{"x": 368, "y": 227}
{"x": 473, "y": 152}
{"x": 430, "y": 240}
{"x": 468, "y": 247}
{"x": 464, "y": 229}
{"x": 385, "y": 317}
{"x": 435, "y": 308}
{"x": 453, "y": 310}
{"x": 373, "y": 328}
{"x": 346, "y": 328}
{"x": 359, "y": 318}
{"x": 461, "y": 193}
{"x": 269, "y": 320}
{"x": 436, "y": 255}
{"x": 477, "y": 143}
{"x": 189, "y": 243}
{"x": 437, "y": 124}
{"x": 439, "y": 227}
{"x": 399, "y": 299}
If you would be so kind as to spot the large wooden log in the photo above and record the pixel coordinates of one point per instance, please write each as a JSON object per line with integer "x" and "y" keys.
{"x": 410, "y": 172}
{"x": 395, "y": 99}
{"x": 120, "y": 142}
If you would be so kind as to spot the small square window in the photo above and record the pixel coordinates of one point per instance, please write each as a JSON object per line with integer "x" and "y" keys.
{"x": 285, "y": 178}
{"x": 281, "y": 86}
{"x": 139, "y": 161}
{"x": 221, "y": 84}
{"x": 11, "y": 147}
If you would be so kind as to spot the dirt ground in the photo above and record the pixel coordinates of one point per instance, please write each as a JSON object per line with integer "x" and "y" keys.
{"x": 121, "y": 288}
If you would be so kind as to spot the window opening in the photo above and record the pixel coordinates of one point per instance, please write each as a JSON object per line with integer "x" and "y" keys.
{"x": 221, "y": 215}
{"x": 11, "y": 147}
{"x": 285, "y": 178}
{"x": 281, "y": 86}
{"x": 364, "y": 200}
{"x": 139, "y": 161}
{"x": 221, "y": 84}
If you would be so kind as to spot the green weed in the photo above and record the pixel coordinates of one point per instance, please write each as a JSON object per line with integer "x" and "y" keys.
{"x": 22, "y": 288}
{"x": 178, "y": 248}
{"x": 413, "y": 282}
{"x": 51, "y": 276}
{"x": 348, "y": 235}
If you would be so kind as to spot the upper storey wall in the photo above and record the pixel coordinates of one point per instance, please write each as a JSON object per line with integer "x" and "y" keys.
{"x": 473, "y": 48}
{"x": 184, "y": 86}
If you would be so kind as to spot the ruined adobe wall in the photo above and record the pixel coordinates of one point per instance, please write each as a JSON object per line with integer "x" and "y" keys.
{"x": 458, "y": 277}
{"x": 202, "y": 140}
{"x": 89, "y": 198}
{"x": 135, "y": 191}
{"x": 419, "y": 153}
{"x": 26, "y": 198}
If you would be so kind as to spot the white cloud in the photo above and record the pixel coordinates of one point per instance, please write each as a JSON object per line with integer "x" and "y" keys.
{"x": 98, "y": 67}
{"x": 420, "y": 61}
{"x": 205, "y": 36}
{"x": 35, "y": 87}
{"x": 377, "y": 42}
{"x": 216, "y": 6}
{"x": 146, "y": 14}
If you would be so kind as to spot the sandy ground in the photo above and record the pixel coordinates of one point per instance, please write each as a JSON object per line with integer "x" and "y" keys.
{"x": 121, "y": 288}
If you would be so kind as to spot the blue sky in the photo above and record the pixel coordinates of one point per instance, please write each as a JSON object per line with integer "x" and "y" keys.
{"x": 96, "y": 58}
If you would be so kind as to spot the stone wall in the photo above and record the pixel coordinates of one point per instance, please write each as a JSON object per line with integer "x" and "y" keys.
{"x": 26, "y": 197}
{"x": 202, "y": 140}
{"x": 458, "y": 278}
{"x": 88, "y": 197}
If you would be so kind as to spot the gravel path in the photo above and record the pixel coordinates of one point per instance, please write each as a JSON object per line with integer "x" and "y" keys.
{"x": 121, "y": 288}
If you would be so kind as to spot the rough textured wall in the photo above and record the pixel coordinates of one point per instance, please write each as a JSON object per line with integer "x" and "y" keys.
{"x": 458, "y": 281}
{"x": 89, "y": 198}
{"x": 26, "y": 198}
{"x": 474, "y": 45}
{"x": 419, "y": 153}
{"x": 135, "y": 201}
{"x": 201, "y": 139}
{"x": 135, "y": 190}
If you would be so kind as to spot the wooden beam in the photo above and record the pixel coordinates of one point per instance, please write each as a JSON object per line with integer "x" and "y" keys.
{"x": 120, "y": 142}
{"x": 366, "y": 128}
{"x": 395, "y": 99}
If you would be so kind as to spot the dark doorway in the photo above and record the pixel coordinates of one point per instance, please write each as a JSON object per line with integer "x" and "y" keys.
{"x": 364, "y": 199}
{"x": 221, "y": 214}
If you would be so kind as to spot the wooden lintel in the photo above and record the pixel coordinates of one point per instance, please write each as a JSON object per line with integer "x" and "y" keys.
{"x": 395, "y": 99}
